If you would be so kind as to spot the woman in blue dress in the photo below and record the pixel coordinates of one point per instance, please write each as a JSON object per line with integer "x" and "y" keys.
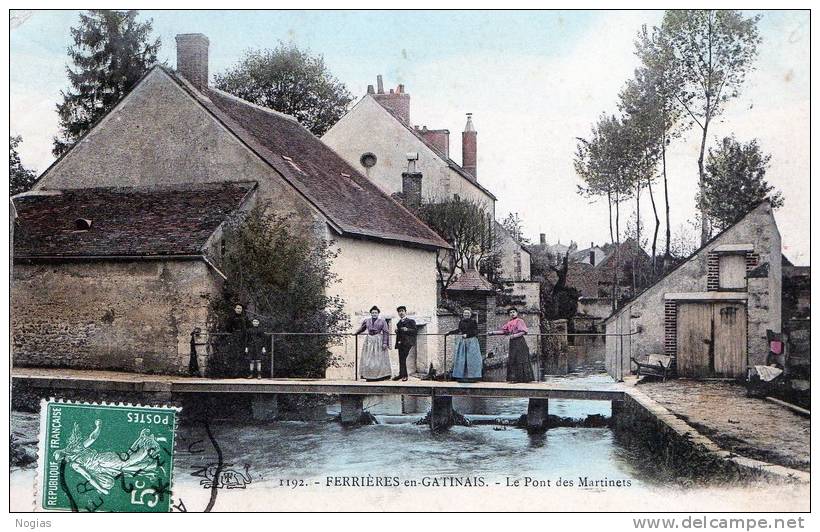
{"x": 467, "y": 365}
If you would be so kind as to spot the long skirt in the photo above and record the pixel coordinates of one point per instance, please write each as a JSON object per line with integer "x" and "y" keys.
{"x": 375, "y": 363}
{"x": 519, "y": 368}
{"x": 467, "y": 363}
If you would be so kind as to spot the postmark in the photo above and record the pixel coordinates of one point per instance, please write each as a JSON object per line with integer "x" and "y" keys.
{"x": 105, "y": 457}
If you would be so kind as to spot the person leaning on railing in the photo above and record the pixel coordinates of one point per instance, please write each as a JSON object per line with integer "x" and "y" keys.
{"x": 519, "y": 368}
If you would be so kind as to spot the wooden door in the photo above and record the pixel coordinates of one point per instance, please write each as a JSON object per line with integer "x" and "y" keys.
{"x": 694, "y": 339}
{"x": 730, "y": 339}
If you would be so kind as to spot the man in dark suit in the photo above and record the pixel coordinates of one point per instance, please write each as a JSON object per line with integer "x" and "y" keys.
{"x": 405, "y": 340}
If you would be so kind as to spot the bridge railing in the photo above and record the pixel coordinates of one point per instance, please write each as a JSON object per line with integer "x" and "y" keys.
{"x": 218, "y": 342}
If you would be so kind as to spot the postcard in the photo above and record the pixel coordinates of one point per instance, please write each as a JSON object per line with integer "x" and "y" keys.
{"x": 409, "y": 261}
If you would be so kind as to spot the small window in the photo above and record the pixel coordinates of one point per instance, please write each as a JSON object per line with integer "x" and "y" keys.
{"x": 82, "y": 224}
{"x": 732, "y": 272}
{"x": 368, "y": 160}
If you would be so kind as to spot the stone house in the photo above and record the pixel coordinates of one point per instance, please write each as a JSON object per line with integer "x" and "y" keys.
{"x": 117, "y": 278}
{"x": 173, "y": 129}
{"x": 377, "y": 138}
{"x": 713, "y": 310}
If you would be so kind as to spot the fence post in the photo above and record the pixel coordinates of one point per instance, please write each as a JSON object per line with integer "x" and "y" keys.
{"x": 272, "y": 346}
{"x": 356, "y": 358}
{"x": 445, "y": 358}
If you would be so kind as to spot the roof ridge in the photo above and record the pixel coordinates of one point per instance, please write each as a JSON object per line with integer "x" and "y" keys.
{"x": 268, "y": 110}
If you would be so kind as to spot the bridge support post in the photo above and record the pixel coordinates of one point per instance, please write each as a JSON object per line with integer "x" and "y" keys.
{"x": 441, "y": 414}
{"x": 352, "y": 408}
{"x": 264, "y": 407}
{"x": 538, "y": 415}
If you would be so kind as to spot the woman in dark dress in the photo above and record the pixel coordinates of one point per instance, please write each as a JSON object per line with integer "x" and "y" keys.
{"x": 467, "y": 364}
{"x": 519, "y": 368}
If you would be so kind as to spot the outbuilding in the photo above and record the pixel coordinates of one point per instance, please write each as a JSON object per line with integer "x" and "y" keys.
{"x": 711, "y": 312}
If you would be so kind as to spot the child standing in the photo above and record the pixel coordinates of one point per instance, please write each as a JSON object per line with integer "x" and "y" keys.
{"x": 255, "y": 349}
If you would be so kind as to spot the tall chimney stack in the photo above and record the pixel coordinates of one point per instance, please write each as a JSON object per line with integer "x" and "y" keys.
{"x": 192, "y": 58}
{"x": 469, "y": 140}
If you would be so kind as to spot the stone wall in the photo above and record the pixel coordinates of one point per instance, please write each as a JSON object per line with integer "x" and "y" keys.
{"x": 649, "y": 316}
{"x": 130, "y": 316}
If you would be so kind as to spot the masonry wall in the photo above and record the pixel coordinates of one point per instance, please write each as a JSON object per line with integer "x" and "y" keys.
{"x": 368, "y": 127}
{"x": 515, "y": 261}
{"x": 648, "y": 314}
{"x": 386, "y": 276}
{"x": 159, "y": 135}
{"x": 128, "y": 316}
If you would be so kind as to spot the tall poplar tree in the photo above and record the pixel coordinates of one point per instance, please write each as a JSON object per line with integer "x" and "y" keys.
{"x": 112, "y": 50}
{"x": 712, "y": 51}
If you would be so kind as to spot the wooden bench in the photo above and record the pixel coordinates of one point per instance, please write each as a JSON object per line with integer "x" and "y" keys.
{"x": 655, "y": 365}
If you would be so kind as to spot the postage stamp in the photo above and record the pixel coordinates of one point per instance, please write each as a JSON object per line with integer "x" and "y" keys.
{"x": 105, "y": 457}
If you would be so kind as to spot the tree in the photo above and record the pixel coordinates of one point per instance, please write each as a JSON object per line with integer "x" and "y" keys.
{"x": 111, "y": 52}
{"x": 21, "y": 178}
{"x": 291, "y": 81}
{"x": 515, "y": 227}
{"x": 469, "y": 229}
{"x": 735, "y": 182}
{"x": 711, "y": 53}
{"x": 650, "y": 99}
{"x": 282, "y": 278}
{"x": 610, "y": 163}
{"x": 558, "y": 300}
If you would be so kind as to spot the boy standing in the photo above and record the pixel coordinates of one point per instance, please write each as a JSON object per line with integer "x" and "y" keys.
{"x": 405, "y": 340}
{"x": 255, "y": 350}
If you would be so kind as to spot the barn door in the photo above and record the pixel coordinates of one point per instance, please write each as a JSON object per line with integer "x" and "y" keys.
{"x": 730, "y": 339}
{"x": 694, "y": 339}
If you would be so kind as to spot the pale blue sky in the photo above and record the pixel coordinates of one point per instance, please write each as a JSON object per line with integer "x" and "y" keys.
{"x": 534, "y": 80}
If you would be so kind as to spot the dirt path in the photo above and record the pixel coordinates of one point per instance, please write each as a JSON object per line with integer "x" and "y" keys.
{"x": 754, "y": 428}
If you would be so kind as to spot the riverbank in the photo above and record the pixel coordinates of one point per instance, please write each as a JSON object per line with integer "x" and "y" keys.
{"x": 752, "y": 428}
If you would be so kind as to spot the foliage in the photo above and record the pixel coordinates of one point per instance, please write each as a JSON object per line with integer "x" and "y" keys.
{"x": 291, "y": 81}
{"x": 735, "y": 182}
{"x": 282, "y": 278}
{"x": 21, "y": 178}
{"x": 711, "y": 53}
{"x": 558, "y": 300}
{"x": 469, "y": 229}
{"x": 649, "y": 100}
{"x": 111, "y": 52}
{"x": 515, "y": 227}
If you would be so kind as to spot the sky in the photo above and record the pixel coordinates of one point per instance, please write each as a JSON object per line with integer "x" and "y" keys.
{"x": 534, "y": 81}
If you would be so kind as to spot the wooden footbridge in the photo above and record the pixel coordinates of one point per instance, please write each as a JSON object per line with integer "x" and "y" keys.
{"x": 351, "y": 393}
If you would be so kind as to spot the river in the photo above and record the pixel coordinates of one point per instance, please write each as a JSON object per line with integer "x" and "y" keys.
{"x": 291, "y": 465}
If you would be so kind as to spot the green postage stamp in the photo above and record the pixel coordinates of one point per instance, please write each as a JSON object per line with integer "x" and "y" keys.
{"x": 105, "y": 457}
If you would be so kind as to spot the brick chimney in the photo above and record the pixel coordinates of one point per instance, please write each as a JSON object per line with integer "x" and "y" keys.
{"x": 543, "y": 237}
{"x": 411, "y": 183}
{"x": 438, "y": 139}
{"x": 397, "y": 102}
{"x": 192, "y": 58}
{"x": 469, "y": 140}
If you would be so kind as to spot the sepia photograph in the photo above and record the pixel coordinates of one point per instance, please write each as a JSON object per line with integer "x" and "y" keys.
{"x": 412, "y": 260}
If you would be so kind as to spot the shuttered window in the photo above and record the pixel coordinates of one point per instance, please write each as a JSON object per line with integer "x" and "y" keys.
{"x": 732, "y": 272}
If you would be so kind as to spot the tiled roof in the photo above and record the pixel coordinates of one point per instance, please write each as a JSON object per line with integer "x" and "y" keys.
{"x": 471, "y": 281}
{"x": 125, "y": 221}
{"x": 350, "y": 201}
